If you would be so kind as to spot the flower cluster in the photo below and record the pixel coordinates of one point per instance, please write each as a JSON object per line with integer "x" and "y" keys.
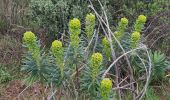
{"x": 122, "y": 26}
{"x": 30, "y": 41}
{"x": 135, "y": 37}
{"x": 56, "y": 46}
{"x": 106, "y": 86}
{"x": 75, "y": 24}
{"x": 90, "y": 24}
{"x": 58, "y": 53}
{"x": 106, "y": 47}
{"x": 75, "y": 29}
{"x": 29, "y": 37}
{"x": 139, "y": 24}
{"x": 124, "y": 21}
{"x": 118, "y": 35}
{"x": 96, "y": 61}
{"x": 105, "y": 42}
{"x": 142, "y": 18}
{"x": 97, "y": 58}
{"x": 90, "y": 17}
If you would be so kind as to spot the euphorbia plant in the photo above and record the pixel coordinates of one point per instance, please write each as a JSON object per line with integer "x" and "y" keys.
{"x": 35, "y": 63}
{"x": 58, "y": 53}
{"x": 105, "y": 88}
{"x": 90, "y": 25}
{"x": 73, "y": 68}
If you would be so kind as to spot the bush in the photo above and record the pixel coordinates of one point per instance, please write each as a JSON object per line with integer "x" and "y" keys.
{"x": 81, "y": 68}
{"x": 54, "y": 21}
{"x": 53, "y": 15}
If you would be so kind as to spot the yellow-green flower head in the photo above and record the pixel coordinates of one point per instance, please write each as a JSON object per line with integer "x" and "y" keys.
{"x": 75, "y": 23}
{"x": 90, "y": 17}
{"x": 56, "y": 44}
{"x": 106, "y": 85}
{"x": 29, "y": 37}
{"x": 124, "y": 21}
{"x": 135, "y": 36}
{"x": 142, "y": 18}
{"x": 105, "y": 42}
{"x": 97, "y": 58}
{"x": 117, "y": 35}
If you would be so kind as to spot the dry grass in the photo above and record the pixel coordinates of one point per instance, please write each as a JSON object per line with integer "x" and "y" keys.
{"x": 10, "y": 50}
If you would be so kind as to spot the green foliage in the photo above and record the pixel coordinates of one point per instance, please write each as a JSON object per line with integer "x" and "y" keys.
{"x": 77, "y": 67}
{"x": 150, "y": 95}
{"x": 3, "y": 24}
{"x": 58, "y": 53}
{"x": 4, "y": 76}
{"x": 147, "y": 7}
{"x": 53, "y": 15}
{"x": 158, "y": 66}
{"x": 54, "y": 21}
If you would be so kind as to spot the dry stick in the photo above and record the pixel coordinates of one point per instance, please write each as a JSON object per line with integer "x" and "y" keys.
{"x": 143, "y": 65}
{"x": 140, "y": 96}
{"x": 113, "y": 63}
{"x": 129, "y": 65}
{"x": 109, "y": 29}
{"x": 113, "y": 52}
{"x": 110, "y": 41}
{"x": 148, "y": 77}
{"x": 122, "y": 80}
{"x": 123, "y": 86}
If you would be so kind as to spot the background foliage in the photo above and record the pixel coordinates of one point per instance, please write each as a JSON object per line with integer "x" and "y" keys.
{"x": 49, "y": 20}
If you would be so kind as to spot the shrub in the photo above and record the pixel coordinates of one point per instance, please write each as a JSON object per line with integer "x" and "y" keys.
{"x": 82, "y": 69}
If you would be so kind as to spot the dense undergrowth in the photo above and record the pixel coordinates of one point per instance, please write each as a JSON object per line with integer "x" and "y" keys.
{"x": 85, "y": 49}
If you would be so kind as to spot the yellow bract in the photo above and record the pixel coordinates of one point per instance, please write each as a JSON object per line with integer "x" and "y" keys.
{"x": 75, "y": 23}
{"x": 97, "y": 58}
{"x": 56, "y": 44}
{"x": 124, "y": 21}
{"x": 135, "y": 36}
{"x": 106, "y": 84}
{"x": 90, "y": 17}
{"x": 142, "y": 18}
{"x": 105, "y": 42}
{"x": 117, "y": 35}
{"x": 29, "y": 37}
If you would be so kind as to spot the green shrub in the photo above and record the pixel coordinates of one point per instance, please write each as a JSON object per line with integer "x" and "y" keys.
{"x": 76, "y": 66}
{"x": 53, "y": 15}
{"x": 55, "y": 21}
{"x": 150, "y": 95}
